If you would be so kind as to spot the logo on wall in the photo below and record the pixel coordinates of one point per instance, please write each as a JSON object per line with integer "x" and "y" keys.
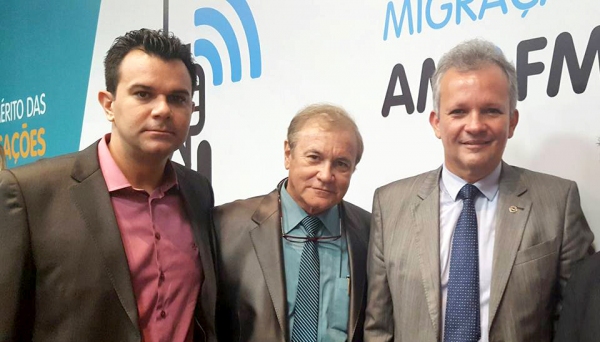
{"x": 422, "y": 13}
{"x": 204, "y": 48}
{"x": 217, "y": 20}
{"x": 564, "y": 53}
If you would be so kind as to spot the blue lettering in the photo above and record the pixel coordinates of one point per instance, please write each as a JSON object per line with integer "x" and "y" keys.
{"x": 436, "y": 26}
{"x": 448, "y": 8}
{"x": 390, "y": 14}
{"x": 419, "y": 16}
{"x": 526, "y": 5}
{"x": 487, "y": 4}
{"x": 464, "y": 4}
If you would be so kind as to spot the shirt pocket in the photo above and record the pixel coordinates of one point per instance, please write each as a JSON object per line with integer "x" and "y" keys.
{"x": 337, "y": 312}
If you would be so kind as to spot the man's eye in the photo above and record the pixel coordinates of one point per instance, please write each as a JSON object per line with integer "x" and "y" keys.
{"x": 342, "y": 165}
{"x": 142, "y": 94}
{"x": 492, "y": 111}
{"x": 177, "y": 99}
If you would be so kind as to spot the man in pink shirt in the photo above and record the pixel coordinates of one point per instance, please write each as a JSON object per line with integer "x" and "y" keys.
{"x": 112, "y": 243}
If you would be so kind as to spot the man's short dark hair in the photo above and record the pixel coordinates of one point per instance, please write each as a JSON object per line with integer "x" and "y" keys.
{"x": 154, "y": 43}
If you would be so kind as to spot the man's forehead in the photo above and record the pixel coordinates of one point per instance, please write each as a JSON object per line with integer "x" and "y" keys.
{"x": 317, "y": 138}
{"x": 140, "y": 68}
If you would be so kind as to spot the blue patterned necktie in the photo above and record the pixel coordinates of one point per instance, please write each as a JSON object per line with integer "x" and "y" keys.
{"x": 462, "y": 305}
{"x": 306, "y": 311}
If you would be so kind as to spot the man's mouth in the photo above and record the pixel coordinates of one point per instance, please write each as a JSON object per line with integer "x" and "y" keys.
{"x": 160, "y": 131}
{"x": 476, "y": 143}
{"x": 323, "y": 190}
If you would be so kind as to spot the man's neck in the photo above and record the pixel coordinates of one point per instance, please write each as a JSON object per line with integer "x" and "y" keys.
{"x": 489, "y": 181}
{"x": 143, "y": 177}
{"x": 146, "y": 175}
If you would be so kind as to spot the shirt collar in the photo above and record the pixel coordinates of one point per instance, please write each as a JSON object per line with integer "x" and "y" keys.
{"x": 488, "y": 185}
{"x": 114, "y": 177}
{"x": 293, "y": 214}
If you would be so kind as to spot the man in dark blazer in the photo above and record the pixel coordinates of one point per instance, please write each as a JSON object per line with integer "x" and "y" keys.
{"x": 581, "y": 307}
{"x": 113, "y": 243}
{"x": 260, "y": 239}
{"x": 515, "y": 244}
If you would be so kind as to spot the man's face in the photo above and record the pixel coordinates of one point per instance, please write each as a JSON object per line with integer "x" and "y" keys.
{"x": 320, "y": 166}
{"x": 474, "y": 120}
{"x": 151, "y": 108}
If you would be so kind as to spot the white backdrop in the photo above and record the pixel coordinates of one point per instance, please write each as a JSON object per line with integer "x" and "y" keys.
{"x": 334, "y": 51}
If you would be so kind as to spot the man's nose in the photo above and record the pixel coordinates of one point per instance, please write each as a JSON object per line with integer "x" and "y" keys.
{"x": 325, "y": 172}
{"x": 161, "y": 107}
{"x": 475, "y": 122}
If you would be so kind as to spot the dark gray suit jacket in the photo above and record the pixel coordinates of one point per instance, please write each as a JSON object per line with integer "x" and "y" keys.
{"x": 64, "y": 275}
{"x": 535, "y": 247}
{"x": 252, "y": 304}
{"x": 580, "y": 316}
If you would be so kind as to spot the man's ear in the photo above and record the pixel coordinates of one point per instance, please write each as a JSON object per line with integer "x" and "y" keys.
{"x": 287, "y": 149}
{"x": 106, "y": 101}
{"x": 513, "y": 121}
{"x": 434, "y": 121}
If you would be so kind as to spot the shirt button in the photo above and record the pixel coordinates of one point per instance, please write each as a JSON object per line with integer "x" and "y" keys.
{"x": 163, "y": 314}
{"x": 161, "y": 277}
{"x": 157, "y": 235}
{"x": 194, "y": 247}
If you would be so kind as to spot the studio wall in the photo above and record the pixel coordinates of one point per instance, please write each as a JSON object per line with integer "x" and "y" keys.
{"x": 264, "y": 60}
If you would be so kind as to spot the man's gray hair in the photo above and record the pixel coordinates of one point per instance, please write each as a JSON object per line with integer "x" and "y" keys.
{"x": 331, "y": 117}
{"x": 472, "y": 55}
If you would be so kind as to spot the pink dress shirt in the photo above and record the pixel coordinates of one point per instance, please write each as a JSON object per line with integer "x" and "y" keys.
{"x": 165, "y": 269}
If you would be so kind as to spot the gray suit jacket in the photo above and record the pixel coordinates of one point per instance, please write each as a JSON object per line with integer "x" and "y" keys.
{"x": 534, "y": 251}
{"x": 252, "y": 304}
{"x": 64, "y": 275}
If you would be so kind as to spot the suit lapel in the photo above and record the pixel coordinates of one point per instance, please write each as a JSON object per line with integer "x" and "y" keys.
{"x": 510, "y": 225}
{"x": 357, "y": 252}
{"x": 91, "y": 197}
{"x": 426, "y": 218}
{"x": 266, "y": 239}
{"x": 203, "y": 240}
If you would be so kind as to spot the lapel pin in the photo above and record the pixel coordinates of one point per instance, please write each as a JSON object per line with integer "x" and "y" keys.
{"x": 513, "y": 209}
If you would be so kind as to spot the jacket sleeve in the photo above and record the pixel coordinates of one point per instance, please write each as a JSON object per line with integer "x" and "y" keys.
{"x": 379, "y": 324}
{"x": 577, "y": 239}
{"x": 17, "y": 272}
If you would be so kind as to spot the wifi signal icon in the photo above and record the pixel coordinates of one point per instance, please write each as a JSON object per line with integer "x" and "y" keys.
{"x": 202, "y": 47}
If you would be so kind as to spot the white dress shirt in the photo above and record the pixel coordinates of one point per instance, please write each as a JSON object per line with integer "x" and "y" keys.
{"x": 485, "y": 208}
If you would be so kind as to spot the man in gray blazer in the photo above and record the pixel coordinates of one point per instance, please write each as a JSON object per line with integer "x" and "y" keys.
{"x": 263, "y": 243}
{"x": 113, "y": 243}
{"x": 476, "y": 250}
